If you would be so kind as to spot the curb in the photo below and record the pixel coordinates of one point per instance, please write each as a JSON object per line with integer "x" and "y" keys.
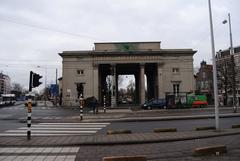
{"x": 214, "y": 149}
{"x": 125, "y": 158}
{"x": 157, "y": 130}
{"x": 117, "y": 139}
{"x": 119, "y": 131}
{"x": 162, "y": 118}
{"x": 205, "y": 128}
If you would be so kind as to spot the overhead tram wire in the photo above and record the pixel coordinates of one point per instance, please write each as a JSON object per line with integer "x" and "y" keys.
{"x": 50, "y": 29}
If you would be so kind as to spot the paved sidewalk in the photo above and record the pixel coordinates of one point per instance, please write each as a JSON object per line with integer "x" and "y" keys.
{"x": 116, "y": 139}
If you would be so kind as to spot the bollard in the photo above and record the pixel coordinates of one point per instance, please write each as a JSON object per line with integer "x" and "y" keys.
{"x": 29, "y": 119}
{"x": 104, "y": 103}
{"x": 81, "y": 107}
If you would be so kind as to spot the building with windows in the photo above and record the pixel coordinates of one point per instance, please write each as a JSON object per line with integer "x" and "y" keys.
{"x": 227, "y": 67}
{"x": 204, "y": 81}
{"x": 5, "y": 84}
{"x": 158, "y": 72}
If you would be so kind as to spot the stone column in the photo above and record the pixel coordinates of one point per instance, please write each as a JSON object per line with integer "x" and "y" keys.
{"x": 160, "y": 81}
{"x": 96, "y": 81}
{"x": 113, "y": 89}
{"x": 142, "y": 84}
{"x": 136, "y": 75}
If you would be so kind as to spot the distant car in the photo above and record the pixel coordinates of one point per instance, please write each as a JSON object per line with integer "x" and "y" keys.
{"x": 33, "y": 98}
{"x": 155, "y": 103}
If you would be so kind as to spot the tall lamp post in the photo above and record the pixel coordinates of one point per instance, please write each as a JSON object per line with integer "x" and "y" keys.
{"x": 232, "y": 62}
{"x": 45, "y": 84}
{"x": 214, "y": 69}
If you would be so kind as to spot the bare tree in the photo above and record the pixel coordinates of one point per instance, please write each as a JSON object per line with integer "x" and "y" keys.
{"x": 120, "y": 80}
{"x": 17, "y": 87}
{"x": 224, "y": 80}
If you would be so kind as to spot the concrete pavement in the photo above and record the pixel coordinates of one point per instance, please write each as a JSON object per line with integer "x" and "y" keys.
{"x": 116, "y": 139}
{"x": 126, "y": 115}
{"x": 53, "y": 147}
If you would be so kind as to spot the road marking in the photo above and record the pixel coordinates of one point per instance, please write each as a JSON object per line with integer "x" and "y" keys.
{"x": 39, "y": 153}
{"x": 52, "y": 128}
{"x": 107, "y": 123}
{"x": 72, "y": 125}
{"x": 49, "y": 131}
{"x": 57, "y": 129}
{"x": 48, "y": 134}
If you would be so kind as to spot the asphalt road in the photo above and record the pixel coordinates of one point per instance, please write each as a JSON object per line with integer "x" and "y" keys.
{"x": 20, "y": 111}
{"x": 10, "y": 116}
{"x": 181, "y": 125}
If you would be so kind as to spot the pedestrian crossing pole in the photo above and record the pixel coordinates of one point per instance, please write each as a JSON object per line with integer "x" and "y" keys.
{"x": 104, "y": 103}
{"x": 29, "y": 122}
{"x": 81, "y": 107}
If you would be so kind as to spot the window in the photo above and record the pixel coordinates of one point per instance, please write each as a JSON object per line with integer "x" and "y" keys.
{"x": 203, "y": 75}
{"x": 80, "y": 72}
{"x": 175, "y": 70}
{"x": 176, "y": 89}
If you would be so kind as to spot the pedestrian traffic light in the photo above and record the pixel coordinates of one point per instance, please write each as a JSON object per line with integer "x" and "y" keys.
{"x": 36, "y": 78}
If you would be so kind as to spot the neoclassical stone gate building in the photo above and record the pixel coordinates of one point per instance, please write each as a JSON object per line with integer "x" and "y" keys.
{"x": 163, "y": 70}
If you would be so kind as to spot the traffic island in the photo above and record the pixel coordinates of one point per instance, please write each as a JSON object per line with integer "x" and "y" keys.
{"x": 205, "y": 128}
{"x": 157, "y": 130}
{"x": 215, "y": 149}
{"x": 236, "y": 126}
{"x": 120, "y": 131}
{"x": 125, "y": 158}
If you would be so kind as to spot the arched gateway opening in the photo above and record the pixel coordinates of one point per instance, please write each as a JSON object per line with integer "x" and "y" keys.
{"x": 111, "y": 77}
{"x": 155, "y": 71}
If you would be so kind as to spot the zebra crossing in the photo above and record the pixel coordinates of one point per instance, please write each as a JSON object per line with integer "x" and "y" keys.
{"x": 23, "y": 107}
{"x": 38, "y": 153}
{"x": 57, "y": 129}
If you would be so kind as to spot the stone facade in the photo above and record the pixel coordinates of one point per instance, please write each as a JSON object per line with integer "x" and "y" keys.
{"x": 165, "y": 70}
{"x": 204, "y": 81}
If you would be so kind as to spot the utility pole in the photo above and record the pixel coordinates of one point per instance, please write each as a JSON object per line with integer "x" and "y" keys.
{"x": 233, "y": 65}
{"x": 214, "y": 69}
{"x": 56, "y": 87}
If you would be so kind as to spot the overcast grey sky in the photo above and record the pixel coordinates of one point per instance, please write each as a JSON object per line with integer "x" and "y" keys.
{"x": 33, "y": 32}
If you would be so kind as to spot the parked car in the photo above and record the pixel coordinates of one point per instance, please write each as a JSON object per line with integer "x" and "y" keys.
{"x": 155, "y": 103}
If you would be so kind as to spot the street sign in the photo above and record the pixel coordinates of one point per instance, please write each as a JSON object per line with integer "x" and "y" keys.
{"x": 54, "y": 90}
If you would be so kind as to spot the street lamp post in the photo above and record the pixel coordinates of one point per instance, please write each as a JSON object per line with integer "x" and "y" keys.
{"x": 232, "y": 62}
{"x": 214, "y": 69}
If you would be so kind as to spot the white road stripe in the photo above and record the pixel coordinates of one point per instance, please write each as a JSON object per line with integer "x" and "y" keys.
{"x": 57, "y": 129}
{"x": 46, "y": 128}
{"x": 46, "y": 153}
{"x": 107, "y": 123}
{"x": 70, "y": 126}
{"x": 49, "y": 131}
{"x": 33, "y": 134}
{"x": 22, "y": 150}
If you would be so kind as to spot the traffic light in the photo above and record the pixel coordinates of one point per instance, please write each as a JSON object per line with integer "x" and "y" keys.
{"x": 36, "y": 78}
